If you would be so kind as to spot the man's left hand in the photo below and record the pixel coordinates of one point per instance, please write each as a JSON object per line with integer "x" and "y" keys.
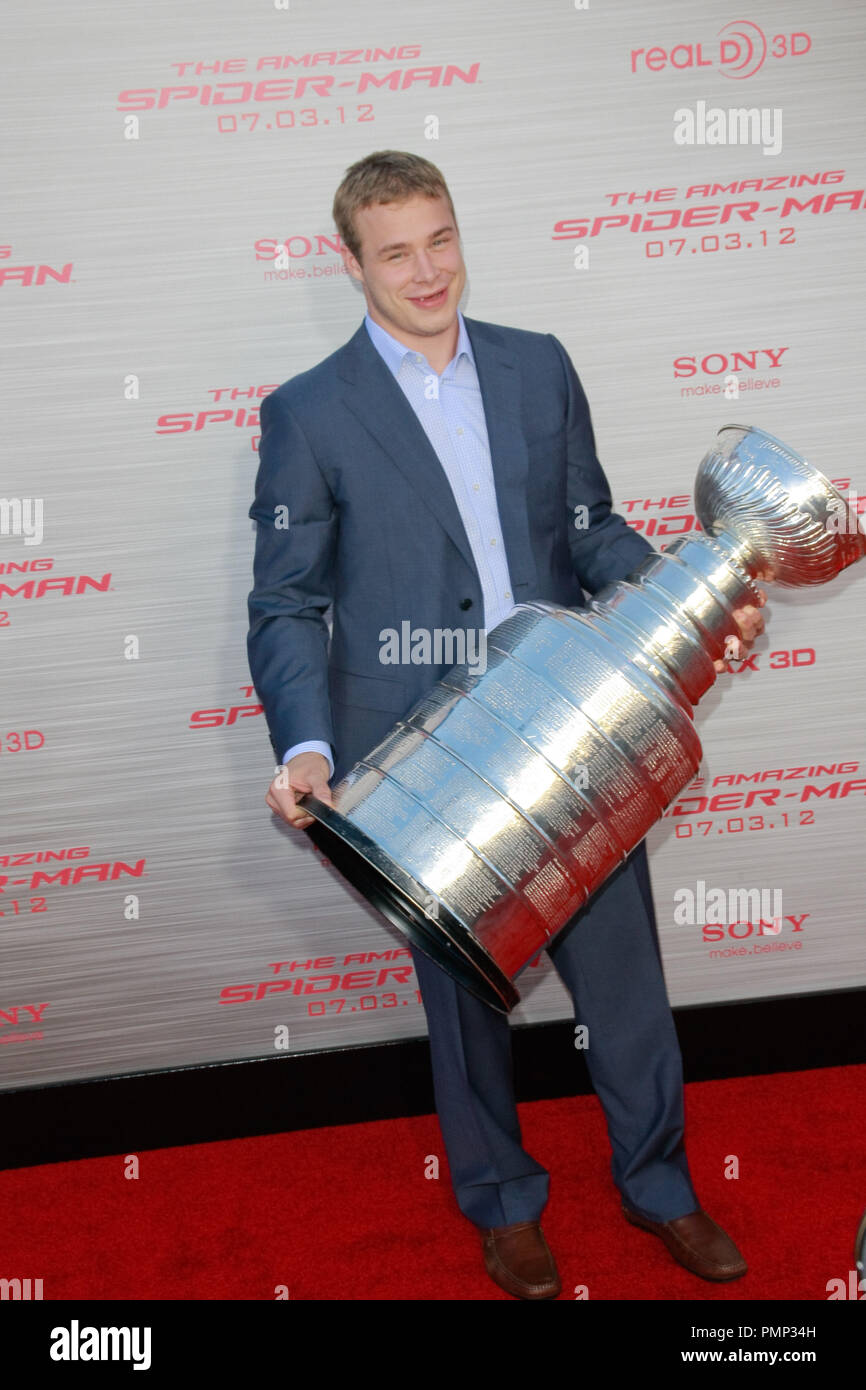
{"x": 750, "y": 624}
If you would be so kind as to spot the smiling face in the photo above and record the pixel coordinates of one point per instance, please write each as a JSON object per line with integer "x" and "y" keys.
{"x": 412, "y": 272}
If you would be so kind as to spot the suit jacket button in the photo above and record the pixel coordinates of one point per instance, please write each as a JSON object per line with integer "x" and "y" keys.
{"x": 465, "y": 603}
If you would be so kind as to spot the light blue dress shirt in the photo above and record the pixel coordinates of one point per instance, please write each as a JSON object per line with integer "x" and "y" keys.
{"x": 451, "y": 412}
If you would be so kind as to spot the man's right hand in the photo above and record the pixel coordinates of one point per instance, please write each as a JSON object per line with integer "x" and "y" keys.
{"x": 306, "y": 772}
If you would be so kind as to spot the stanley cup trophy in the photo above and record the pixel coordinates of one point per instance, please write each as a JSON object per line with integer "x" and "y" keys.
{"x": 504, "y": 799}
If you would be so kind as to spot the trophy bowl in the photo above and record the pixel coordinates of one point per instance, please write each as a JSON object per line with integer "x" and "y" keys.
{"x": 504, "y": 798}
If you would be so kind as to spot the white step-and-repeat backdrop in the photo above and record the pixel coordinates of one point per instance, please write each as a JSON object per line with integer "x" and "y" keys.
{"x": 675, "y": 191}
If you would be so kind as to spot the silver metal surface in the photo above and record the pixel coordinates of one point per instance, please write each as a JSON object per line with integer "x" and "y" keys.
{"x": 504, "y": 799}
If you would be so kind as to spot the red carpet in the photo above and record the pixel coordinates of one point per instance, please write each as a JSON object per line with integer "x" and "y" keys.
{"x": 347, "y": 1213}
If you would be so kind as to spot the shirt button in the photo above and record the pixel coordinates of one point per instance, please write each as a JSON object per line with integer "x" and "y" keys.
{"x": 493, "y": 542}
{"x": 507, "y": 593}
{"x": 459, "y": 429}
{"x": 418, "y": 357}
{"x": 475, "y": 487}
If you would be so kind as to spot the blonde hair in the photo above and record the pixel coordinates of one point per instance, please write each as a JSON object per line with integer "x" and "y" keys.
{"x": 388, "y": 176}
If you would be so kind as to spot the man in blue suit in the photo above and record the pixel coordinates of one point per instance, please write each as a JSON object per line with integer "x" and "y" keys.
{"x": 432, "y": 470}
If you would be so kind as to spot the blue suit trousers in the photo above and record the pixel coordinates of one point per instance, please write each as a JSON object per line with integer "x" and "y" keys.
{"x": 608, "y": 957}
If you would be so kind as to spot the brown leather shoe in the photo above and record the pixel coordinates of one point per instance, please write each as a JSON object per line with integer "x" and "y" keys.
{"x": 518, "y": 1259}
{"x": 697, "y": 1243}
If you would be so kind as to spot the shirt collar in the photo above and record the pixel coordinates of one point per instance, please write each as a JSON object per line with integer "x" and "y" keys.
{"x": 394, "y": 351}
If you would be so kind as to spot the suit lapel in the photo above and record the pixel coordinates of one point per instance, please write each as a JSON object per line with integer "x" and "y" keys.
{"x": 374, "y": 396}
{"x": 499, "y": 379}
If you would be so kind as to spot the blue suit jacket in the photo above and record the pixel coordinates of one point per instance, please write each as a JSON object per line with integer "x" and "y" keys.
{"x": 373, "y": 528}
